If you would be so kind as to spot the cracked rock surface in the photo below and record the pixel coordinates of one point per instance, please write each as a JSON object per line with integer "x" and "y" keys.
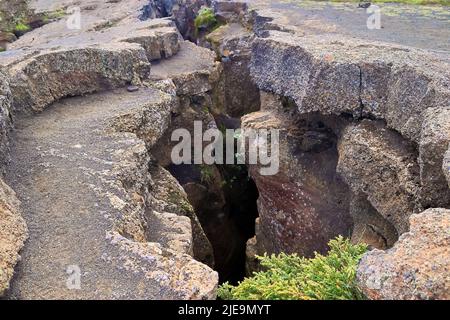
{"x": 89, "y": 196}
{"x": 417, "y": 267}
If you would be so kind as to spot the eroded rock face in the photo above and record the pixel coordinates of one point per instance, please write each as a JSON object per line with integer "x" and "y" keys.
{"x": 5, "y": 119}
{"x": 434, "y": 142}
{"x": 102, "y": 207}
{"x": 167, "y": 195}
{"x": 13, "y": 233}
{"x": 238, "y": 95}
{"x": 369, "y": 226}
{"x": 305, "y": 204}
{"x": 379, "y": 163}
{"x": 86, "y": 63}
{"x": 351, "y": 76}
{"x": 417, "y": 267}
{"x": 392, "y": 170}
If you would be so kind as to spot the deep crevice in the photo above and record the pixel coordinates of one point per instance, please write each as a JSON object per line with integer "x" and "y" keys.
{"x": 224, "y": 199}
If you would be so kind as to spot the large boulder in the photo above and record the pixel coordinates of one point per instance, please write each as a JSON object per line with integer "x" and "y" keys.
{"x": 434, "y": 142}
{"x": 350, "y": 76}
{"x": 381, "y": 164}
{"x": 417, "y": 267}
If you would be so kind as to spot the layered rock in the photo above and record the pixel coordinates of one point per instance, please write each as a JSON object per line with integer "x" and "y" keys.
{"x": 97, "y": 185}
{"x": 182, "y": 11}
{"x": 195, "y": 74}
{"x": 384, "y": 109}
{"x": 167, "y": 195}
{"x": 369, "y": 226}
{"x": 380, "y": 164}
{"x": 389, "y": 82}
{"x": 434, "y": 142}
{"x": 417, "y": 267}
{"x": 90, "y": 62}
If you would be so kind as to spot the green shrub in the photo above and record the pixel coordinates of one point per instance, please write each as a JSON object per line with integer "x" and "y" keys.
{"x": 22, "y": 27}
{"x": 205, "y": 18}
{"x": 290, "y": 277}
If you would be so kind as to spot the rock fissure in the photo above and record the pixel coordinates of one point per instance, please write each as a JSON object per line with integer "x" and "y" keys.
{"x": 364, "y": 147}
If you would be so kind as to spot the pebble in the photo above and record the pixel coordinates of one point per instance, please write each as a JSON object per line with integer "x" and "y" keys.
{"x": 132, "y": 88}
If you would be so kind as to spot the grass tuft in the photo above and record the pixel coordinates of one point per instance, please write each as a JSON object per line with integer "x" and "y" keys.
{"x": 205, "y": 19}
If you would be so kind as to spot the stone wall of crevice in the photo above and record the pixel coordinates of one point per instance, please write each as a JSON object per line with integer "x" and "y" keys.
{"x": 378, "y": 159}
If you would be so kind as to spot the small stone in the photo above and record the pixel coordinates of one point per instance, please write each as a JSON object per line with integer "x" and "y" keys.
{"x": 132, "y": 88}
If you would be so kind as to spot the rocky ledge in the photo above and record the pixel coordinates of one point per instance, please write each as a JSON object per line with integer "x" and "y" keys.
{"x": 95, "y": 201}
{"x": 364, "y": 140}
{"x": 364, "y": 151}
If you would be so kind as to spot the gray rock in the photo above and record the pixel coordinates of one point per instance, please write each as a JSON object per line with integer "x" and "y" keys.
{"x": 167, "y": 195}
{"x": 379, "y": 163}
{"x": 369, "y": 226}
{"x": 13, "y": 233}
{"x": 417, "y": 267}
{"x": 322, "y": 74}
{"x": 434, "y": 142}
{"x": 305, "y": 204}
{"x": 5, "y": 120}
{"x": 96, "y": 183}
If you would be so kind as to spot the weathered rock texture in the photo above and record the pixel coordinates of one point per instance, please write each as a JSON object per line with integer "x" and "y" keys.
{"x": 304, "y": 204}
{"x": 5, "y": 119}
{"x": 13, "y": 233}
{"x": 96, "y": 184}
{"x": 90, "y": 62}
{"x": 377, "y": 162}
{"x": 105, "y": 211}
{"x": 434, "y": 142}
{"x": 332, "y": 76}
{"x": 237, "y": 95}
{"x": 417, "y": 267}
{"x": 366, "y": 119}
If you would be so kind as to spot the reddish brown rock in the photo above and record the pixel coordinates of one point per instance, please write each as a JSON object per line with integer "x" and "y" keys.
{"x": 305, "y": 204}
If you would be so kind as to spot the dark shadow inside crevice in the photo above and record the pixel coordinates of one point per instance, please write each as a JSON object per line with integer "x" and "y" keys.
{"x": 224, "y": 199}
